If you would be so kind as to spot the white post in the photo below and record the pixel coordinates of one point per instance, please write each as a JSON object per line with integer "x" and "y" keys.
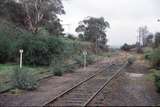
{"x": 21, "y": 53}
{"x": 85, "y": 58}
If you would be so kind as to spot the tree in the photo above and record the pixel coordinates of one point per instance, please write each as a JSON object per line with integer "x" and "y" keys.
{"x": 143, "y": 34}
{"x": 94, "y": 30}
{"x": 157, "y": 39}
{"x": 33, "y": 14}
{"x": 149, "y": 40}
{"x": 71, "y": 36}
{"x": 54, "y": 27}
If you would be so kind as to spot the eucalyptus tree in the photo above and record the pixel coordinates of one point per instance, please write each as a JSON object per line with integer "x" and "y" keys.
{"x": 94, "y": 30}
{"x": 33, "y": 14}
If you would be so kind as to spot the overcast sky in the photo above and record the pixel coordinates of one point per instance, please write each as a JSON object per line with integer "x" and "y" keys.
{"x": 124, "y": 16}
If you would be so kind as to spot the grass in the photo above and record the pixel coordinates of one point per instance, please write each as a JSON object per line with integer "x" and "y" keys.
{"x": 151, "y": 76}
{"x": 5, "y": 72}
{"x": 7, "y": 69}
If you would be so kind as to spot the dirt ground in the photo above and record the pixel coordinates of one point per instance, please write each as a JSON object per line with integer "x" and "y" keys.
{"x": 131, "y": 88}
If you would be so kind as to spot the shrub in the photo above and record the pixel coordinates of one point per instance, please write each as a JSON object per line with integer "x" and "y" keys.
{"x": 72, "y": 37}
{"x": 7, "y": 47}
{"x": 71, "y": 48}
{"x": 40, "y": 50}
{"x": 70, "y": 68}
{"x": 125, "y": 47}
{"x": 154, "y": 58}
{"x": 23, "y": 79}
{"x": 147, "y": 53}
{"x": 157, "y": 82}
{"x": 57, "y": 66}
{"x": 90, "y": 59}
{"x": 157, "y": 40}
{"x": 131, "y": 60}
{"x": 147, "y": 56}
{"x": 58, "y": 71}
{"x": 80, "y": 59}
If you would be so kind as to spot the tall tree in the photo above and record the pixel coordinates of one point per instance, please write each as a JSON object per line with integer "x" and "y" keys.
{"x": 33, "y": 14}
{"x": 143, "y": 34}
{"x": 94, "y": 30}
{"x": 149, "y": 39}
{"x": 157, "y": 39}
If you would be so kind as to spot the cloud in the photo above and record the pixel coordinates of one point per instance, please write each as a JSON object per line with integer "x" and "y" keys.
{"x": 125, "y": 16}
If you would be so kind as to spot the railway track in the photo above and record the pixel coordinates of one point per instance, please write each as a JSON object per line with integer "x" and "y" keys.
{"x": 84, "y": 92}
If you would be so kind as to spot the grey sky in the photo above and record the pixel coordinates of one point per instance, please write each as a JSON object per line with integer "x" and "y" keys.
{"x": 124, "y": 16}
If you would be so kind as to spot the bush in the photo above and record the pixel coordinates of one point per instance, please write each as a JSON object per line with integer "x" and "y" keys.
{"x": 125, "y": 47}
{"x": 23, "y": 79}
{"x": 69, "y": 68}
{"x": 40, "y": 50}
{"x": 80, "y": 59}
{"x": 58, "y": 71}
{"x": 154, "y": 58}
{"x": 157, "y": 82}
{"x": 56, "y": 66}
{"x": 131, "y": 60}
{"x": 147, "y": 53}
{"x": 147, "y": 56}
{"x": 7, "y": 42}
{"x": 71, "y": 48}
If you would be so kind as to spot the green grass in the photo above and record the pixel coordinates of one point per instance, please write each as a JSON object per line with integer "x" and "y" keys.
{"x": 5, "y": 72}
{"x": 7, "y": 69}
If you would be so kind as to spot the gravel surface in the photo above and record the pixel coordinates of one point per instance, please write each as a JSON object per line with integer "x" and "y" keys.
{"x": 131, "y": 88}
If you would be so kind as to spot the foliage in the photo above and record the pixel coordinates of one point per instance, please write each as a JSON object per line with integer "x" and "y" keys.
{"x": 149, "y": 40}
{"x": 22, "y": 79}
{"x": 39, "y": 50}
{"x": 8, "y": 34}
{"x": 70, "y": 68}
{"x": 93, "y": 29}
{"x": 56, "y": 66}
{"x": 147, "y": 53}
{"x": 157, "y": 39}
{"x": 80, "y": 59}
{"x": 157, "y": 79}
{"x": 157, "y": 82}
{"x": 154, "y": 57}
{"x": 131, "y": 60}
{"x": 58, "y": 71}
{"x": 125, "y": 47}
{"x": 72, "y": 37}
{"x": 32, "y": 14}
{"x": 71, "y": 48}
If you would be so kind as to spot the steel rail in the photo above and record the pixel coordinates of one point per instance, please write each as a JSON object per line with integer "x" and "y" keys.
{"x": 70, "y": 89}
{"x": 104, "y": 85}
